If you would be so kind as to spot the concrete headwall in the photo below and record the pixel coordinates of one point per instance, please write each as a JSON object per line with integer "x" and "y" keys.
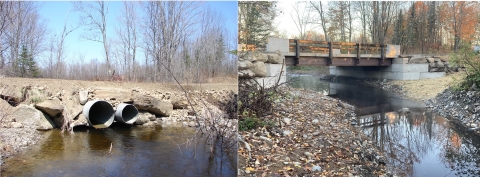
{"x": 399, "y": 70}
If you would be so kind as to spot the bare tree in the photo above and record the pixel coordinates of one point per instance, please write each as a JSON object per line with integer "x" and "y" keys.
{"x": 26, "y": 29}
{"x": 318, "y": 7}
{"x": 301, "y": 18}
{"x": 94, "y": 19}
{"x": 61, "y": 46}
{"x": 128, "y": 34}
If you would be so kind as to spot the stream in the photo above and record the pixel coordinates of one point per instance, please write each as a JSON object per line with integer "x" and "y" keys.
{"x": 122, "y": 150}
{"x": 416, "y": 142}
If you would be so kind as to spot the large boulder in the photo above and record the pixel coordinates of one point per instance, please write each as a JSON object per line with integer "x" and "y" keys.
{"x": 245, "y": 64}
{"x": 439, "y": 64}
{"x": 274, "y": 58}
{"x": 50, "y": 107}
{"x": 419, "y": 60}
{"x": 31, "y": 117}
{"x": 114, "y": 94}
{"x": 12, "y": 94}
{"x": 152, "y": 105}
{"x": 259, "y": 69}
{"x": 261, "y": 57}
{"x": 431, "y": 60}
{"x": 246, "y": 74}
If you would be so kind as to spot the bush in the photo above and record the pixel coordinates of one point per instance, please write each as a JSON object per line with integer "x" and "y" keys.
{"x": 469, "y": 59}
{"x": 255, "y": 101}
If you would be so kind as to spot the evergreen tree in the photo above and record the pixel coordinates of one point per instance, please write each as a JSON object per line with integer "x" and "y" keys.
{"x": 26, "y": 66}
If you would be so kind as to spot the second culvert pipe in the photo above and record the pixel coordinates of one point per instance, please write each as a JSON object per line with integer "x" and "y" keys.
{"x": 126, "y": 113}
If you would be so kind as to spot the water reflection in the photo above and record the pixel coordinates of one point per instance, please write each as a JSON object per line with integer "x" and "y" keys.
{"x": 418, "y": 143}
{"x": 136, "y": 151}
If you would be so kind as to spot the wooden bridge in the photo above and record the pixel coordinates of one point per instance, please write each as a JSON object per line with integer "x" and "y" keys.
{"x": 323, "y": 53}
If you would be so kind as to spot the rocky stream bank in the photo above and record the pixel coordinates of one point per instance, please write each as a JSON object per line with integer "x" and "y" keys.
{"x": 312, "y": 137}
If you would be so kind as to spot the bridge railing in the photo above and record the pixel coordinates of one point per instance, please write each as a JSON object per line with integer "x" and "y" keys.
{"x": 331, "y": 48}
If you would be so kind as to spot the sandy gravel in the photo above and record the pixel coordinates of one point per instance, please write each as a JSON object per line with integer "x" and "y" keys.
{"x": 422, "y": 90}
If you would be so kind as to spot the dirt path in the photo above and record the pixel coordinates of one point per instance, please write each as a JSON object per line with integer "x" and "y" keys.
{"x": 422, "y": 90}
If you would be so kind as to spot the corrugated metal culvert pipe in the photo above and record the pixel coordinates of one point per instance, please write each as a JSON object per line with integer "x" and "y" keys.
{"x": 126, "y": 113}
{"x": 99, "y": 113}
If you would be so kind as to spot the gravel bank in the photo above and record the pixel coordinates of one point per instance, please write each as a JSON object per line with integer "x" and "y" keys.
{"x": 314, "y": 139}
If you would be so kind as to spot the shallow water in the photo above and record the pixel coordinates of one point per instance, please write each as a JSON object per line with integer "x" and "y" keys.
{"x": 418, "y": 143}
{"x": 122, "y": 151}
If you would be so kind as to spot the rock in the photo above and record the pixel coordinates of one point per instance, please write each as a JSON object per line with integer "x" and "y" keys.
{"x": 274, "y": 58}
{"x": 31, "y": 117}
{"x": 286, "y": 120}
{"x": 83, "y": 96}
{"x": 12, "y": 94}
{"x": 123, "y": 96}
{"x": 259, "y": 69}
{"x": 443, "y": 58}
{"x": 153, "y": 105}
{"x": 315, "y": 121}
{"x": 432, "y": 65}
{"x": 316, "y": 168}
{"x": 50, "y": 107}
{"x": 439, "y": 64}
{"x": 246, "y": 74}
{"x": 474, "y": 87}
{"x": 417, "y": 60}
{"x": 308, "y": 154}
{"x": 73, "y": 107}
{"x": 180, "y": 104}
{"x": 141, "y": 120}
{"x": 430, "y": 60}
{"x": 243, "y": 65}
{"x": 79, "y": 120}
{"x": 287, "y": 132}
{"x": 249, "y": 55}
{"x": 261, "y": 57}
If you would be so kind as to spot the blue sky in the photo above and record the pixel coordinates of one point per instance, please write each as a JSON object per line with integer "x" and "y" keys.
{"x": 55, "y": 13}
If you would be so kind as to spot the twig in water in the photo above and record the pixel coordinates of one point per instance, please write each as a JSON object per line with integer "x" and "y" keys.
{"x": 110, "y": 151}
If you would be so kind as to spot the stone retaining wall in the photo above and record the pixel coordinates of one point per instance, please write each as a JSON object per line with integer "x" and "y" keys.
{"x": 266, "y": 68}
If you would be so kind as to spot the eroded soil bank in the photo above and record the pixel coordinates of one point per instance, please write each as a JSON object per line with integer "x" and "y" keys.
{"x": 312, "y": 137}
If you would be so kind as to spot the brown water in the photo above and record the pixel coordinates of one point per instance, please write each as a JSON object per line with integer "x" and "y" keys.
{"x": 135, "y": 151}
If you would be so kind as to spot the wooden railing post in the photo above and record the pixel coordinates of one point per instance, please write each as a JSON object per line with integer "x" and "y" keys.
{"x": 297, "y": 49}
{"x": 330, "y": 50}
{"x": 358, "y": 51}
{"x": 382, "y": 48}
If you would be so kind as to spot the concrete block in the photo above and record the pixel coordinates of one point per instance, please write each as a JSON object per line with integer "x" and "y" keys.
{"x": 401, "y": 76}
{"x": 392, "y": 51}
{"x": 280, "y": 44}
{"x": 275, "y": 69}
{"x": 400, "y": 61}
{"x": 407, "y": 68}
{"x": 428, "y": 75}
{"x": 270, "y": 81}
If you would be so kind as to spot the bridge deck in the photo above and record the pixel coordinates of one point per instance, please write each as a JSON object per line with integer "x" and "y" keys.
{"x": 322, "y": 53}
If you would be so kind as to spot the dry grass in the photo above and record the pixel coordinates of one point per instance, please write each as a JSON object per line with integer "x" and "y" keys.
{"x": 425, "y": 89}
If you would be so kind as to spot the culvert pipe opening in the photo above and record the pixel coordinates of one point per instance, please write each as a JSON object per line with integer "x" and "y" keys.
{"x": 99, "y": 113}
{"x": 126, "y": 113}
